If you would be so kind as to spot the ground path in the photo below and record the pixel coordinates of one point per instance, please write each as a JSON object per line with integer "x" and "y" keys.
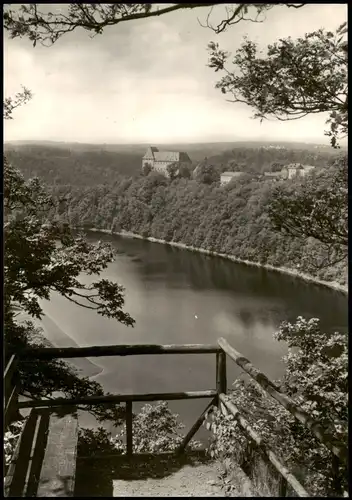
{"x": 151, "y": 476}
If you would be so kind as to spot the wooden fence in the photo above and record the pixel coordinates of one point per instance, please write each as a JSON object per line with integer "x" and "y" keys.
{"x": 10, "y": 390}
{"x": 218, "y": 397}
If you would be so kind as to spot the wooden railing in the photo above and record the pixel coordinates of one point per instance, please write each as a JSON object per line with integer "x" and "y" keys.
{"x": 10, "y": 390}
{"x": 218, "y": 397}
{"x": 338, "y": 450}
{"x": 324, "y": 436}
{"x": 129, "y": 350}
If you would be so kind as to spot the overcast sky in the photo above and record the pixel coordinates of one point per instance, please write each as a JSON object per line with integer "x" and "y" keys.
{"x": 147, "y": 81}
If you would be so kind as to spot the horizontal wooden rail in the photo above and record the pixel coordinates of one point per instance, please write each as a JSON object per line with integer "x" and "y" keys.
{"x": 324, "y": 436}
{"x": 116, "y": 398}
{"x": 117, "y": 350}
{"x": 285, "y": 473}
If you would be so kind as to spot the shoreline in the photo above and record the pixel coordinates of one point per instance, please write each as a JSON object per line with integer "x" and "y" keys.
{"x": 56, "y": 337}
{"x": 283, "y": 270}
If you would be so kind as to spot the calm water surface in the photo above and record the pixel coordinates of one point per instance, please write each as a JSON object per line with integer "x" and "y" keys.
{"x": 166, "y": 288}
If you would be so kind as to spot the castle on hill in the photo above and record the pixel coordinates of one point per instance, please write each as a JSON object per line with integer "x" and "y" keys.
{"x": 161, "y": 160}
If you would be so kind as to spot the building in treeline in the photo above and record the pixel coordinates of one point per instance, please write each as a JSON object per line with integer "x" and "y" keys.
{"x": 161, "y": 160}
{"x": 290, "y": 171}
{"x": 295, "y": 170}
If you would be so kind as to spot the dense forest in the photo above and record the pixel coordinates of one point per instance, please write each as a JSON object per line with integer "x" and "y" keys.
{"x": 58, "y": 165}
{"x": 231, "y": 219}
{"x": 251, "y": 218}
{"x": 89, "y": 165}
{"x": 107, "y": 190}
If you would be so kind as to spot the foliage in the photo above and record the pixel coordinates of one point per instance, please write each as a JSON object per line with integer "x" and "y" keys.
{"x": 41, "y": 379}
{"x": 11, "y": 437}
{"x": 178, "y": 171}
{"x": 146, "y": 169}
{"x": 276, "y": 166}
{"x": 10, "y": 103}
{"x": 79, "y": 165}
{"x": 232, "y": 219}
{"x": 316, "y": 372}
{"x": 48, "y": 25}
{"x": 88, "y": 165}
{"x": 43, "y": 256}
{"x": 95, "y": 441}
{"x": 295, "y": 79}
{"x": 315, "y": 207}
{"x": 316, "y": 378}
{"x": 206, "y": 173}
{"x": 155, "y": 430}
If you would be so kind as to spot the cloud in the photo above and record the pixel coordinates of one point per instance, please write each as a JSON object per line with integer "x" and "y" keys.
{"x": 148, "y": 80}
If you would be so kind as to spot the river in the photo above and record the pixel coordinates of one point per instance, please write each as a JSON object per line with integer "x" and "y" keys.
{"x": 180, "y": 297}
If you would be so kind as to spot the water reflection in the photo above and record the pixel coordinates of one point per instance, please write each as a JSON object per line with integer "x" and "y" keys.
{"x": 183, "y": 297}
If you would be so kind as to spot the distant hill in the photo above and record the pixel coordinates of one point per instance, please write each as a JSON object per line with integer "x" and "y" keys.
{"x": 66, "y": 164}
{"x": 258, "y": 159}
{"x": 91, "y": 164}
{"x": 197, "y": 148}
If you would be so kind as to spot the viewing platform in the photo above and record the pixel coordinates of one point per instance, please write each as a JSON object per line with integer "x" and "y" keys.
{"x": 45, "y": 460}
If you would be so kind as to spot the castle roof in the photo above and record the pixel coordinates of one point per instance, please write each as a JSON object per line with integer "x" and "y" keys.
{"x": 150, "y": 152}
{"x": 167, "y": 156}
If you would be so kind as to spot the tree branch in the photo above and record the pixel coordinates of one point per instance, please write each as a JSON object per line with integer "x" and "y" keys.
{"x": 48, "y": 27}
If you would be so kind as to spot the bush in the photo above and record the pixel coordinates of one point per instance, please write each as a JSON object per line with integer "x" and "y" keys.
{"x": 11, "y": 438}
{"x": 316, "y": 379}
{"x": 155, "y": 429}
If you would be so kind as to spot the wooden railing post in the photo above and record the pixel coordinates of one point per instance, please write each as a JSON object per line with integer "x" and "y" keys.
{"x": 11, "y": 412}
{"x": 196, "y": 426}
{"x": 282, "y": 487}
{"x": 129, "y": 428}
{"x": 221, "y": 377}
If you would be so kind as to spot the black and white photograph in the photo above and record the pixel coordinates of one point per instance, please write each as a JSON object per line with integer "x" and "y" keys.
{"x": 175, "y": 250}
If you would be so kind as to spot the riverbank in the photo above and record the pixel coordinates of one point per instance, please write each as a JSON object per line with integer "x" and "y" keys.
{"x": 283, "y": 270}
{"x": 56, "y": 337}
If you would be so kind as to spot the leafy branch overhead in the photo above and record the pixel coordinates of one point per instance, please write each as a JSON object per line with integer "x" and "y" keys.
{"x": 10, "y": 103}
{"x": 32, "y": 21}
{"x": 295, "y": 78}
{"x": 47, "y": 24}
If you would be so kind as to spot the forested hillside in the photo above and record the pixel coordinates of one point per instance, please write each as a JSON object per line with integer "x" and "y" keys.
{"x": 78, "y": 167}
{"x": 266, "y": 158}
{"x": 89, "y": 165}
{"x": 299, "y": 224}
{"x": 232, "y": 219}
{"x": 105, "y": 189}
